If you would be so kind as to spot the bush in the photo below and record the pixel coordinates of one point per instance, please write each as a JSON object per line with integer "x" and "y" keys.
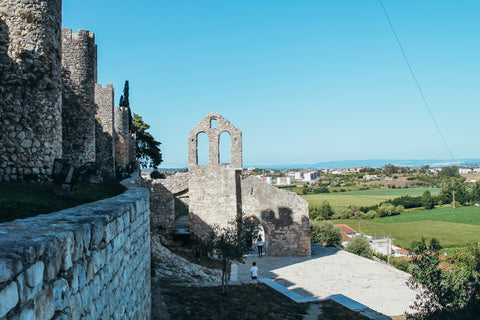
{"x": 400, "y": 263}
{"x": 157, "y": 175}
{"x": 325, "y": 232}
{"x": 360, "y": 245}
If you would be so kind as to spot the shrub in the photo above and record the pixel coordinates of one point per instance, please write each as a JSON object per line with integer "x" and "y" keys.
{"x": 157, "y": 175}
{"x": 360, "y": 245}
{"x": 325, "y": 232}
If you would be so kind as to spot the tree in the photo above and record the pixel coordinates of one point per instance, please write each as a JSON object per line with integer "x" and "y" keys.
{"x": 449, "y": 172}
{"x": 360, "y": 245}
{"x": 125, "y": 102}
{"x": 427, "y": 200}
{"x": 324, "y": 212}
{"x": 434, "y": 245}
{"x": 419, "y": 247}
{"x": 443, "y": 294}
{"x": 325, "y": 232}
{"x": 231, "y": 244}
{"x": 147, "y": 148}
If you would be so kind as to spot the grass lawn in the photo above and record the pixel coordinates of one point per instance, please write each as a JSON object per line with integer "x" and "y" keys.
{"x": 363, "y": 197}
{"x": 453, "y": 228}
{"x": 27, "y": 199}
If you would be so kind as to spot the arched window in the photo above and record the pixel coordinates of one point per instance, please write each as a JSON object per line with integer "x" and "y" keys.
{"x": 225, "y": 148}
{"x": 202, "y": 149}
{"x": 213, "y": 123}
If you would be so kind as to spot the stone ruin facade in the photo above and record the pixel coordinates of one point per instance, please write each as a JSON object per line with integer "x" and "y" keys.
{"x": 50, "y": 104}
{"x": 217, "y": 195}
{"x": 214, "y": 189}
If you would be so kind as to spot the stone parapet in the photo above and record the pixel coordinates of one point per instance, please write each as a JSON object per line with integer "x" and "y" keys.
{"x": 87, "y": 262}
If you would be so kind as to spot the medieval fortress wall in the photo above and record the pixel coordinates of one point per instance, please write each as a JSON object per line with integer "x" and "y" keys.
{"x": 50, "y": 105}
{"x": 30, "y": 87}
{"x": 87, "y": 262}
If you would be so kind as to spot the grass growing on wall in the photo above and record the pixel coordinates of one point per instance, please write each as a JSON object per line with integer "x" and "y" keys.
{"x": 20, "y": 200}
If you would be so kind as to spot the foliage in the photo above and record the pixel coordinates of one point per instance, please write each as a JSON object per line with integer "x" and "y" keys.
{"x": 148, "y": 151}
{"x": 427, "y": 200}
{"x": 157, "y": 175}
{"x": 400, "y": 263}
{"x": 444, "y": 294}
{"x": 181, "y": 208}
{"x": 449, "y": 172}
{"x": 324, "y": 212}
{"x": 125, "y": 102}
{"x": 421, "y": 246}
{"x": 325, "y": 232}
{"x": 231, "y": 243}
{"x": 360, "y": 245}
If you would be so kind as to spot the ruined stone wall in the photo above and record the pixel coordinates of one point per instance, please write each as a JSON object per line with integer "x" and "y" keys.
{"x": 214, "y": 189}
{"x": 122, "y": 137}
{"x": 283, "y": 215}
{"x": 104, "y": 144}
{"x": 162, "y": 202}
{"x": 30, "y": 88}
{"x": 88, "y": 262}
{"x": 79, "y": 72}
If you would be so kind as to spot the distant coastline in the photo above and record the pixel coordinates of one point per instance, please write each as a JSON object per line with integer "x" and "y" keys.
{"x": 373, "y": 163}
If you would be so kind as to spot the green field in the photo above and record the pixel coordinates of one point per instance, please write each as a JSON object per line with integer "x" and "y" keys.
{"x": 364, "y": 197}
{"x": 453, "y": 228}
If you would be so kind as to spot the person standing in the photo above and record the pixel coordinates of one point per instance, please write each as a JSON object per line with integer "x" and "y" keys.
{"x": 254, "y": 271}
{"x": 260, "y": 246}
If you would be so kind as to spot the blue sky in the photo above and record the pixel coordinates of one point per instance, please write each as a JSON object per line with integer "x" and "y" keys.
{"x": 305, "y": 81}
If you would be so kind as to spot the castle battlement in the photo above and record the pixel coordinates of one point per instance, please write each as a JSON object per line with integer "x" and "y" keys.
{"x": 81, "y": 35}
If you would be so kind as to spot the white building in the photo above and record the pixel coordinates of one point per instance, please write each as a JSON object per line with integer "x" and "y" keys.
{"x": 284, "y": 181}
{"x": 298, "y": 175}
{"x": 310, "y": 176}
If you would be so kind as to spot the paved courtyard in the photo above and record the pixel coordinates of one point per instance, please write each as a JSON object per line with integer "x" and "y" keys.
{"x": 330, "y": 271}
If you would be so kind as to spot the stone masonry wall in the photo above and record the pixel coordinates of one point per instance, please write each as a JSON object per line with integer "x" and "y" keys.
{"x": 104, "y": 145}
{"x": 30, "y": 88}
{"x": 79, "y": 72}
{"x": 122, "y": 137}
{"x": 214, "y": 189}
{"x": 87, "y": 262}
{"x": 283, "y": 215}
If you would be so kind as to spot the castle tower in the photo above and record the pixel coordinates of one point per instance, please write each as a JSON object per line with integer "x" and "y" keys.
{"x": 214, "y": 189}
{"x": 122, "y": 137}
{"x": 79, "y": 69}
{"x": 30, "y": 88}
{"x": 104, "y": 143}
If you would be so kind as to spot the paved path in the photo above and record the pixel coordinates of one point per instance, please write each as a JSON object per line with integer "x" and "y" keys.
{"x": 330, "y": 271}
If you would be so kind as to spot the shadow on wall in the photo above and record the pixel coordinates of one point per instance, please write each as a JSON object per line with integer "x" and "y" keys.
{"x": 104, "y": 150}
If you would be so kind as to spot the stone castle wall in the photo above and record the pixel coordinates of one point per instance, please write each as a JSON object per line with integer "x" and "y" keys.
{"x": 88, "y": 262}
{"x": 104, "y": 144}
{"x": 79, "y": 70}
{"x": 30, "y": 88}
{"x": 122, "y": 137}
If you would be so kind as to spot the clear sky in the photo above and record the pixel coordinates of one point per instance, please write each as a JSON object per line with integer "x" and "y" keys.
{"x": 306, "y": 81}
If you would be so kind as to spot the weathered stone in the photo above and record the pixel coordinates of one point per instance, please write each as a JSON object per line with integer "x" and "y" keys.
{"x": 8, "y": 298}
{"x": 34, "y": 274}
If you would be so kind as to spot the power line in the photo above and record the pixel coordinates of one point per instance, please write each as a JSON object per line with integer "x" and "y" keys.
{"x": 416, "y": 82}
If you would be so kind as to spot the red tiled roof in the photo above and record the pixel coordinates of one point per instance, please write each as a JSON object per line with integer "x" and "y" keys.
{"x": 403, "y": 251}
{"x": 345, "y": 229}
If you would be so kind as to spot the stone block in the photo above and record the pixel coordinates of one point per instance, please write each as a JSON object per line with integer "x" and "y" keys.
{"x": 27, "y": 314}
{"x": 44, "y": 305}
{"x": 7, "y": 268}
{"x": 60, "y": 288}
{"x": 34, "y": 275}
{"x": 8, "y": 298}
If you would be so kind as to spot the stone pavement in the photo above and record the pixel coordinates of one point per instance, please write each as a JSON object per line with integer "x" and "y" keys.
{"x": 330, "y": 272}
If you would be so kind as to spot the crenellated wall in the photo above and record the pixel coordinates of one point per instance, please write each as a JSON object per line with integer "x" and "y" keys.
{"x": 79, "y": 72}
{"x": 87, "y": 262}
{"x": 30, "y": 88}
{"x": 104, "y": 144}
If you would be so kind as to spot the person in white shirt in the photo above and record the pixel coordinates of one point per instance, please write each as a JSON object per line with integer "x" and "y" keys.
{"x": 260, "y": 246}
{"x": 254, "y": 271}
